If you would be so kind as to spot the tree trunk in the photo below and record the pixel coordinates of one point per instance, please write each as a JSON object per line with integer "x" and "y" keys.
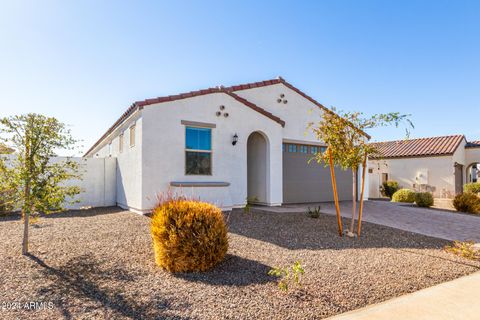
{"x": 335, "y": 194}
{"x": 26, "y": 193}
{"x": 354, "y": 199}
{"x": 360, "y": 210}
{"x": 26, "y": 216}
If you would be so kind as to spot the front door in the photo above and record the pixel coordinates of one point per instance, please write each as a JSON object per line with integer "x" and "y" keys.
{"x": 458, "y": 178}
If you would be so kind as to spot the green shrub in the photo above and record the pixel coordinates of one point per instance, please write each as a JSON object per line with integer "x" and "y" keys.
{"x": 404, "y": 195}
{"x": 424, "y": 199}
{"x": 290, "y": 275}
{"x": 467, "y": 202}
{"x": 6, "y": 202}
{"x": 388, "y": 188}
{"x": 465, "y": 249}
{"x": 188, "y": 236}
{"x": 314, "y": 213}
{"x": 473, "y": 187}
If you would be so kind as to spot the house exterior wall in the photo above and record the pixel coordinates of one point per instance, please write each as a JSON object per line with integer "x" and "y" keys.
{"x": 439, "y": 173}
{"x": 158, "y": 158}
{"x": 129, "y": 191}
{"x": 163, "y": 159}
{"x": 472, "y": 155}
{"x": 297, "y": 112}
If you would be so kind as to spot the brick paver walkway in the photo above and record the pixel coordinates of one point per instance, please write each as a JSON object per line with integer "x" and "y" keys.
{"x": 431, "y": 222}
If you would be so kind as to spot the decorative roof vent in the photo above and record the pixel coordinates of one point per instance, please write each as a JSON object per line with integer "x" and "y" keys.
{"x": 281, "y": 99}
{"x": 222, "y": 109}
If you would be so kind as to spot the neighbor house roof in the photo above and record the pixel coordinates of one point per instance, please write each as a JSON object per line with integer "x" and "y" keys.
{"x": 221, "y": 89}
{"x": 473, "y": 144}
{"x": 5, "y": 150}
{"x": 422, "y": 147}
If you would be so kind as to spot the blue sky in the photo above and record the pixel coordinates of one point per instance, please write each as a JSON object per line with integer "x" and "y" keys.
{"x": 85, "y": 62}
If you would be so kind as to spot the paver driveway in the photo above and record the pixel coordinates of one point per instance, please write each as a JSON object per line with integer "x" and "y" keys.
{"x": 431, "y": 222}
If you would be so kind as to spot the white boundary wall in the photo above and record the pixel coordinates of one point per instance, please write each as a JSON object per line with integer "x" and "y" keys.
{"x": 98, "y": 183}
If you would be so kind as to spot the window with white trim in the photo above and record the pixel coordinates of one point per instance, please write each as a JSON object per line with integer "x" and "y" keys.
{"x": 198, "y": 151}
{"x": 132, "y": 136}
{"x": 120, "y": 143}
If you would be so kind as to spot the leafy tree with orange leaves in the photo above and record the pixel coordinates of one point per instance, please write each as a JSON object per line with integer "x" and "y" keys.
{"x": 348, "y": 147}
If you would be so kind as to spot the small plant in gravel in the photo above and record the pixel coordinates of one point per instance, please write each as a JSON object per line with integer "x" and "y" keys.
{"x": 289, "y": 275}
{"x": 314, "y": 213}
{"x": 424, "y": 199}
{"x": 188, "y": 235}
{"x": 389, "y": 188}
{"x": 473, "y": 187}
{"x": 467, "y": 202}
{"x": 464, "y": 249}
{"x": 404, "y": 195}
{"x": 249, "y": 204}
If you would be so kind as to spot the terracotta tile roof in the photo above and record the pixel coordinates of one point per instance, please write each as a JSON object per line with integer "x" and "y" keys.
{"x": 5, "y": 150}
{"x": 141, "y": 104}
{"x": 227, "y": 90}
{"x": 422, "y": 147}
{"x": 473, "y": 144}
{"x": 288, "y": 85}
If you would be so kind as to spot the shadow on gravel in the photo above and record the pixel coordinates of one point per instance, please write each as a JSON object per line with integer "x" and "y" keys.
{"x": 91, "y": 212}
{"x": 84, "y": 279}
{"x": 233, "y": 271}
{"x": 298, "y": 231}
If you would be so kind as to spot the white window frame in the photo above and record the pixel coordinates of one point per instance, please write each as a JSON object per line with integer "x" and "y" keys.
{"x": 120, "y": 143}
{"x": 132, "y": 135}
{"x": 199, "y": 151}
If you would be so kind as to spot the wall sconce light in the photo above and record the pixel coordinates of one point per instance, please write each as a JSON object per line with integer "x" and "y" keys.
{"x": 234, "y": 139}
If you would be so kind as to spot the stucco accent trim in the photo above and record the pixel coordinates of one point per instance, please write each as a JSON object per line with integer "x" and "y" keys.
{"x": 199, "y": 184}
{"x": 198, "y": 124}
{"x": 313, "y": 143}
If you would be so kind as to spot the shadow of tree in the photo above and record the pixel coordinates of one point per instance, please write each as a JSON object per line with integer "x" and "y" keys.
{"x": 294, "y": 230}
{"x": 82, "y": 213}
{"x": 233, "y": 271}
{"x": 83, "y": 278}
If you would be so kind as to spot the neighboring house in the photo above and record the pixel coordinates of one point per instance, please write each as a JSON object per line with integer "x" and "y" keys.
{"x": 5, "y": 150}
{"x": 224, "y": 145}
{"x": 441, "y": 165}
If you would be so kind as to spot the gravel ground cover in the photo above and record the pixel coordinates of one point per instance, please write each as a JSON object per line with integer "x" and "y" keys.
{"x": 98, "y": 264}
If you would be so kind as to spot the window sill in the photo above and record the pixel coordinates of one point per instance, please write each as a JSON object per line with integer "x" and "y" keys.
{"x": 199, "y": 184}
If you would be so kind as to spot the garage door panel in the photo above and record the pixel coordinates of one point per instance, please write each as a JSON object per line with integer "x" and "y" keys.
{"x": 305, "y": 181}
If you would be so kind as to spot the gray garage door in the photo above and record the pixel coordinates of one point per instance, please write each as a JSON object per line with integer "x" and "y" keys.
{"x": 305, "y": 182}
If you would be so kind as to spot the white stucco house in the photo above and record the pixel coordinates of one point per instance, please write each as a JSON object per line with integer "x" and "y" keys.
{"x": 441, "y": 165}
{"x": 222, "y": 145}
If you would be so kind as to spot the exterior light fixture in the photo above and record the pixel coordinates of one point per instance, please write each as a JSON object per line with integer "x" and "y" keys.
{"x": 234, "y": 139}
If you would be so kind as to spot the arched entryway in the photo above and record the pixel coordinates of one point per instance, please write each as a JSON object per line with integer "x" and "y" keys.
{"x": 473, "y": 172}
{"x": 257, "y": 168}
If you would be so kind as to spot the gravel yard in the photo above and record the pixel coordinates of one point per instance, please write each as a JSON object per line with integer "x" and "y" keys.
{"x": 99, "y": 264}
